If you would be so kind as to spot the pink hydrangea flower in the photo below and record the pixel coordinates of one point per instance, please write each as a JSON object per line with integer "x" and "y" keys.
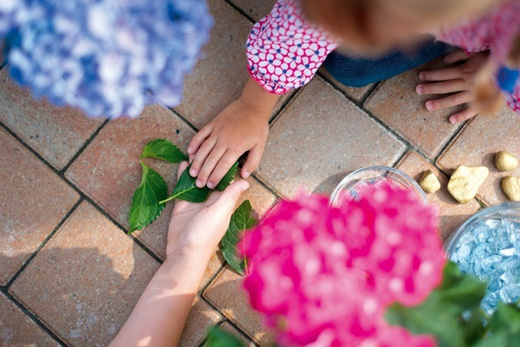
{"x": 324, "y": 276}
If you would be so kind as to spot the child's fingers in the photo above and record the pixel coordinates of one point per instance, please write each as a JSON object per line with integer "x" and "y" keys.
{"x": 449, "y": 101}
{"x": 449, "y": 73}
{"x": 199, "y": 138}
{"x": 456, "y": 56}
{"x": 444, "y": 87}
{"x": 201, "y": 156}
{"x": 253, "y": 160}
{"x": 468, "y": 113}
{"x": 209, "y": 165}
{"x": 223, "y": 166}
{"x": 182, "y": 167}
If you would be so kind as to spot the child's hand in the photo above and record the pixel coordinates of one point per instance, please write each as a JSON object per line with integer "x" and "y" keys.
{"x": 455, "y": 80}
{"x": 196, "y": 229}
{"x": 239, "y": 128}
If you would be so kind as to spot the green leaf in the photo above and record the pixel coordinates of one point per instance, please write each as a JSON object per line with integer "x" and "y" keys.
{"x": 164, "y": 150}
{"x": 503, "y": 327}
{"x": 241, "y": 220}
{"x": 228, "y": 177}
{"x": 145, "y": 201}
{"x": 440, "y": 314}
{"x": 188, "y": 191}
{"x": 220, "y": 338}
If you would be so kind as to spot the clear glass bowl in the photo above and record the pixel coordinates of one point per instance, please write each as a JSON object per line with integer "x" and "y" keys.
{"x": 373, "y": 174}
{"x": 506, "y": 210}
{"x": 493, "y": 234}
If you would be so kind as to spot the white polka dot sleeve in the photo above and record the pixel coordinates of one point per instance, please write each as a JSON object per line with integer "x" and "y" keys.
{"x": 284, "y": 50}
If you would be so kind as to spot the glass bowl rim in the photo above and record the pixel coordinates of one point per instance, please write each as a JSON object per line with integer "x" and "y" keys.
{"x": 410, "y": 180}
{"x": 451, "y": 241}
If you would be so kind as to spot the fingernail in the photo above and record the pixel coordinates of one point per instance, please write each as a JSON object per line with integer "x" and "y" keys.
{"x": 421, "y": 75}
{"x": 453, "y": 120}
{"x": 246, "y": 174}
{"x": 211, "y": 185}
{"x": 418, "y": 89}
{"x": 190, "y": 150}
{"x": 193, "y": 172}
{"x": 199, "y": 184}
{"x": 429, "y": 105}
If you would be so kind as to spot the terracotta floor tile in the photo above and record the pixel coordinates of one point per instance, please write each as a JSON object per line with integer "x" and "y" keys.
{"x": 202, "y": 316}
{"x": 16, "y": 329}
{"x": 220, "y": 75}
{"x": 319, "y": 139}
{"x": 55, "y": 133}
{"x": 254, "y": 8}
{"x": 397, "y": 104}
{"x": 33, "y": 200}
{"x": 356, "y": 93}
{"x": 108, "y": 170}
{"x": 230, "y": 329}
{"x": 85, "y": 282}
{"x": 477, "y": 145}
{"x": 451, "y": 213}
{"x": 226, "y": 294}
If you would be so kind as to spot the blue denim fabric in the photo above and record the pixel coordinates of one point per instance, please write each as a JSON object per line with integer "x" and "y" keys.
{"x": 359, "y": 72}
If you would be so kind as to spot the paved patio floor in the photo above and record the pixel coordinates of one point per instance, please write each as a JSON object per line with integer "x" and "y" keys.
{"x": 69, "y": 274}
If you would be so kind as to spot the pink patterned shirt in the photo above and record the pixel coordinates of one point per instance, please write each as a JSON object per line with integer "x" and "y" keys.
{"x": 285, "y": 50}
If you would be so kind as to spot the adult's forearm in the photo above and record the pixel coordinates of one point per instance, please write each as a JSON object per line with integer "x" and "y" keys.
{"x": 159, "y": 316}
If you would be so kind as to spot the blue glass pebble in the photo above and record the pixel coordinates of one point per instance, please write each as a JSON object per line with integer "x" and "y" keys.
{"x": 490, "y": 251}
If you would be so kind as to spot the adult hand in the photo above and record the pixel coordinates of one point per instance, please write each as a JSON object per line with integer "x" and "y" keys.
{"x": 457, "y": 81}
{"x": 196, "y": 228}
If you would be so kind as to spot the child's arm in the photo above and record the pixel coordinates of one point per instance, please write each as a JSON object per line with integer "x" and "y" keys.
{"x": 194, "y": 233}
{"x": 284, "y": 52}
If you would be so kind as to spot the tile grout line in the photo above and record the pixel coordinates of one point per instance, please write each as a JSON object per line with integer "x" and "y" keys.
{"x": 44, "y": 242}
{"x": 240, "y": 11}
{"x": 370, "y": 115}
{"x": 81, "y": 193}
{"x": 452, "y": 139}
{"x": 182, "y": 118}
{"x": 85, "y": 145}
{"x": 369, "y": 93}
{"x": 274, "y": 117}
{"x": 226, "y": 318}
{"x": 33, "y": 318}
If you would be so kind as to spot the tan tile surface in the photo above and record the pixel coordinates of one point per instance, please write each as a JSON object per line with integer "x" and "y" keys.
{"x": 55, "y": 133}
{"x": 254, "y": 8}
{"x": 109, "y": 171}
{"x": 33, "y": 200}
{"x": 397, "y": 104}
{"x": 477, "y": 145}
{"x": 202, "y": 316}
{"x": 220, "y": 75}
{"x": 226, "y": 294}
{"x": 315, "y": 144}
{"x": 85, "y": 282}
{"x": 356, "y": 93}
{"x": 16, "y": 329}
{"x": 451, "y": 213}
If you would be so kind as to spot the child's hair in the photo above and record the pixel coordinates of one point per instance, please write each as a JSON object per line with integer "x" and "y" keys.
{"x": 353, "y": 21}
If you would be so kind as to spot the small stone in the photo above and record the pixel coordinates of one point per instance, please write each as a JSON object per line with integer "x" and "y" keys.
{"x": 429, "y": 182}
{"x": 511, "y": 187}
{"x": 465, "y": 182}
{"x": 505, "y": 161}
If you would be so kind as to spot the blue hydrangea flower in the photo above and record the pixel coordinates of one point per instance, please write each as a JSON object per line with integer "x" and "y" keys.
{"x": 107, "y": 57}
